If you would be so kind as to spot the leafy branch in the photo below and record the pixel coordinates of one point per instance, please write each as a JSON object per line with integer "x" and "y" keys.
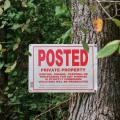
{"x": 113, "y": 46}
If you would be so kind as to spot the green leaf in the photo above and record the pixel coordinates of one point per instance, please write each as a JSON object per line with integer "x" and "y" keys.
{"x": 3, "y": 50}
{"x": 1, "y": 11}
{"x": 15, "y": 47}
{"x": 26, "y": 25}
{"x": 14, "y": 73}
{"x": 116, "y": 21}
{"x": 11, "y": 68}
{"x": 3, "y": 24}
{"x": 7, "y": 88}
{"x": 60, "y": 10}
{"x": 24, "y": 4}
{"x": 119, "y": 49}
{"x": 1, "y": 64}
{"x": 6, "y": 4}
{"x": 15, "y": 26}
{"x": 66, "y": 23}
{"x": 109, "y": 49}
{"x": 0, "y": 47}
{"x": 10, "y": 83}
{"x": 10, "y": 95}
{"x": 18, "y": 40}
{"x": 33, "y": 106}
{"x": 85, "y": 46}
{"x": 66, "y": 34}
{"x": 27, "y": 53}
{"x": 13, "y": 99}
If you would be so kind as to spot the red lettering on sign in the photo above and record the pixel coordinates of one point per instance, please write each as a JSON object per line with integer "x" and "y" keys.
{"x": 59, "y": 57}
{"x": 67, "y": 53}
{"x": 59, "y": 60}
{"x": 83, "y": 57}
{"x": 41, "y": 56}
{"x": 75, "y": 57}
{"x": 50, "y": 52}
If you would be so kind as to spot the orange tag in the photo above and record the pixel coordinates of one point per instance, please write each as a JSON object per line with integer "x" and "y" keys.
{"x": 98, "y": 25}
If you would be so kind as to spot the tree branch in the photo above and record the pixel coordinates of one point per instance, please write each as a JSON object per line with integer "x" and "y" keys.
{"x": 104, "y": 9}
{"x": 36, "y": 118}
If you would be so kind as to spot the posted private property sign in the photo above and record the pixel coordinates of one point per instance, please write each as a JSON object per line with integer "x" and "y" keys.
{"x": 62, "y": 68}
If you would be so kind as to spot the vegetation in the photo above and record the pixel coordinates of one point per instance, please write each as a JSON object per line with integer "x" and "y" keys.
{"x": 23, "y": 23}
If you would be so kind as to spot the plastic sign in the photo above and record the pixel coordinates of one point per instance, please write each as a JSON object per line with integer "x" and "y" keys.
{"x": 62, "y": 68}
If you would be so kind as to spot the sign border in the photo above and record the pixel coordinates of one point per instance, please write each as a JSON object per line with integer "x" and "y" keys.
{"x": 61, "y": 90}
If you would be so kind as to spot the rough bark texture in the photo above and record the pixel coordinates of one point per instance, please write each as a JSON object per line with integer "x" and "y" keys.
{"x": 105, "y": 103}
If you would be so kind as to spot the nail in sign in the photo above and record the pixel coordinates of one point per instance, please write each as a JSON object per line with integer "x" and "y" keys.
{"x": 62, "y": 68}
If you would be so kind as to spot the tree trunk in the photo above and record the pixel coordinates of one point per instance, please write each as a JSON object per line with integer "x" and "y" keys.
{"x": 105, "y": 103}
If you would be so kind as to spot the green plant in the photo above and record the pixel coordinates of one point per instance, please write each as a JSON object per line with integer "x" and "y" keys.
{"x": 23, "y": 23}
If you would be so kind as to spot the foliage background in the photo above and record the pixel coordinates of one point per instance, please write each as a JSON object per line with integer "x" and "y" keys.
{"x": 23, "y": 23}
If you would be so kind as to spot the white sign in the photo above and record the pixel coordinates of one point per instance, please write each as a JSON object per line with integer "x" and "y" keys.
{"x": 62, "y": 68}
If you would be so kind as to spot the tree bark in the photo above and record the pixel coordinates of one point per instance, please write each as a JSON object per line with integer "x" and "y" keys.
{"x": 105, "y": 103}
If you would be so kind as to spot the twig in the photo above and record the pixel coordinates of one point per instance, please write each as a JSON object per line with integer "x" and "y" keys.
{"x": 6, "y": 42}
{"x": 104, "y": 9}
{"x": 54, "y": 107}
{"x": 109, "y": 1}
